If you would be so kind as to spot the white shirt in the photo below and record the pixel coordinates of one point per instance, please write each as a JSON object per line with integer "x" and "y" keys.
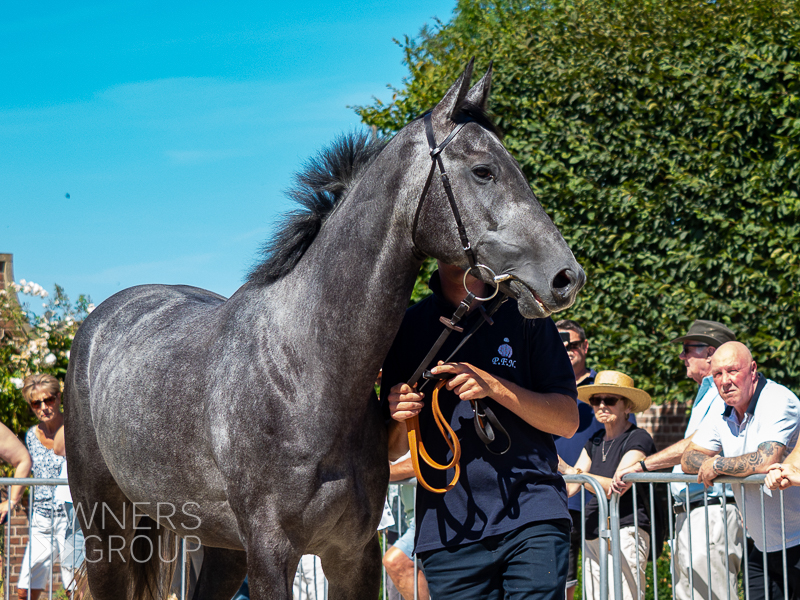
{"x": 773, "y": 415}
{"x": 707, "y": 403}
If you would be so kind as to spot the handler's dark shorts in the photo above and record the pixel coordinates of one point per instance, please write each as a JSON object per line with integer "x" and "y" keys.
{"x": 530, "y": 563}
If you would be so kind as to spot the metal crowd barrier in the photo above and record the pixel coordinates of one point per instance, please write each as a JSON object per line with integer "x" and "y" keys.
{"x": 310, "y": 584}
{"x": 740, "y": 483}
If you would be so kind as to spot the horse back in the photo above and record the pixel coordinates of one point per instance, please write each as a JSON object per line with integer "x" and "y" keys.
{"x": 132, "y": 397}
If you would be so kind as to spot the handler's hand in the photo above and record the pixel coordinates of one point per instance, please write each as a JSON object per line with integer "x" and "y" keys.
{"x": 404, "y": 402}
{"x": 468, "y": 382}
{"x": 706, "y": 474}
{"x": 781, "y": 475}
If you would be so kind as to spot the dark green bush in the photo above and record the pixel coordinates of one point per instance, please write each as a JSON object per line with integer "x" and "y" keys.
{"x": 662, "y": 138}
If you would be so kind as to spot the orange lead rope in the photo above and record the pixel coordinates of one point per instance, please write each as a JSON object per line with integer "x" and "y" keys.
{"x": 418, "y": 448}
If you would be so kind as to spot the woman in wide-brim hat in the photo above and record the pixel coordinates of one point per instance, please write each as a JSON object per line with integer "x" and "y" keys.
{"x": 620, "y": 444}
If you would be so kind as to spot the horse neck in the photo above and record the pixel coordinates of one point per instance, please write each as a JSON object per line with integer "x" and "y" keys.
{"x": 349, "y": 292}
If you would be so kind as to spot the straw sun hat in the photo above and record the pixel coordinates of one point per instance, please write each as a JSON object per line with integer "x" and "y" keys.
{"x": 614, "y": 382}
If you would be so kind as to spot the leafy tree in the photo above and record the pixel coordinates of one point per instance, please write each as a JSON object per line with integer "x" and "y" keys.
{"x": 39, "y": 344}
{"x": 662, "y": 138}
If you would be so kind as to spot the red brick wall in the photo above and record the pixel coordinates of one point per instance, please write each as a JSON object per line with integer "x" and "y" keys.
{"x": 666, "y": 423}
{"x": 19, "y": 540}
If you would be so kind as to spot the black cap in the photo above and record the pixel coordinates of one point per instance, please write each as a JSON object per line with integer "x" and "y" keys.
{"x": 708, "y": 332}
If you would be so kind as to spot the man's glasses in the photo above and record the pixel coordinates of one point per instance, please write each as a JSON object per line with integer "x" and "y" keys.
{"x": 574, "y": 345}
{"x": 688, "y": 347}
{"x": 607, "y": 400}
{"x": 39, "y": 403}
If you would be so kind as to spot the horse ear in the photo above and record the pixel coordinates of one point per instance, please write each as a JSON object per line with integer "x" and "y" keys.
{"x": 455, "y": 96}
{"x": 479, "y": 94}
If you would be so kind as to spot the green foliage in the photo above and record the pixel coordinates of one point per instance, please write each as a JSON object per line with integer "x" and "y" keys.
{"x": 40, "y": 344}
{"x": 662, "y": 138}
{"x": 421, "y": 289}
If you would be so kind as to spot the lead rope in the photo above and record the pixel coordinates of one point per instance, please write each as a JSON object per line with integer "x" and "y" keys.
{"x": 418, "y": 448}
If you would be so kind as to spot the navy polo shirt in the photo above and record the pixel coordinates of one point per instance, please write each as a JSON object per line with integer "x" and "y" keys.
{"x": 495, "y": 494}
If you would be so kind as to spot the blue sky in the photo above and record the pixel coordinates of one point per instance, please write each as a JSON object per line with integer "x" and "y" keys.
{"x": 175, "y": 128}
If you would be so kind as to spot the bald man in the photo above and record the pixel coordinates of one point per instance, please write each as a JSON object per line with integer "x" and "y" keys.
{"x": 757, "y": 429}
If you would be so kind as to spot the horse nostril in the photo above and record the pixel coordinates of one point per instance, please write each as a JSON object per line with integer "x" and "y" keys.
{"x": 563, "y": 279}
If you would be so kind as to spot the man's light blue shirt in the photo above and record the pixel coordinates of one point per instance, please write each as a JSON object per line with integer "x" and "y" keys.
{"x": 707, "y": 402}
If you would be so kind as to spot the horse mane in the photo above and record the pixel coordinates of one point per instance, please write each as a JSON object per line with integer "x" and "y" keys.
{"x": 472, "y": 112}
{"x": 324, "y": 181}
{"x": 321, "y": 185}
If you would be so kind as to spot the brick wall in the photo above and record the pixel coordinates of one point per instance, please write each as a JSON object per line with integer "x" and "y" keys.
{"x": 16, "y": 552}
{"x": 666, "y": 423}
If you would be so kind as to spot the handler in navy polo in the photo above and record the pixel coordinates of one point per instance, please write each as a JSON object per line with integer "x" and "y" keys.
{"x": 757, "y": 429}
{"x": 503, "y": 530}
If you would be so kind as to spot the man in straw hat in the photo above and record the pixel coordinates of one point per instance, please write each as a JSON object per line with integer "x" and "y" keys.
{"x": 613, "y": 397}
{"x": 697, "y": 348}
{"x": 757, "y": 429}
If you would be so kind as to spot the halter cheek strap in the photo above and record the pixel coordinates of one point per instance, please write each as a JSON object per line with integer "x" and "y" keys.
{"x": 436, "y": 159}
{"x": 486, "y": 424}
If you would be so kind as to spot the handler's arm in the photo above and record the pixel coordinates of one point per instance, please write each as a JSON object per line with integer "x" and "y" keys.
{"x": 550, "y": 412}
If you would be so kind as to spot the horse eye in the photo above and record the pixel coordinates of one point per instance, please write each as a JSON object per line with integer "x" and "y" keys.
{"x": 483, "y": 173}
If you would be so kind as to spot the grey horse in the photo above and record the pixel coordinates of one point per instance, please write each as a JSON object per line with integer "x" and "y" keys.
{"x": 249, "y": 423}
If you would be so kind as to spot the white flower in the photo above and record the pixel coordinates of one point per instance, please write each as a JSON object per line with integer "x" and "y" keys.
{"x": 50, "y": 359}
{"x": 67, "y": 355}
{"x": 17, "y": 382}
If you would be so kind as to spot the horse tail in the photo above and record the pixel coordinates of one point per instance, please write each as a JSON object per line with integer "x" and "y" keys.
{"x": 151, "y": 563}
{"x": 154, "y": 554}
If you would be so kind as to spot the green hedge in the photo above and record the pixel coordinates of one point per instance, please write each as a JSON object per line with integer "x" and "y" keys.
{"x": 662, "y": 138}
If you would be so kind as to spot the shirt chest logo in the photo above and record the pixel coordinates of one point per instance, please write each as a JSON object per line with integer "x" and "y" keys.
{"x": 505, "y": 351}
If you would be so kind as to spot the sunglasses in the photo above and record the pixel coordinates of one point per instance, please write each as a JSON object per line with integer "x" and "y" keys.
{"x": 687, "y": 347}
{"x": 574, "y": 345}
{"x": 39, "y": 403}
{"x": 607, "y": 400}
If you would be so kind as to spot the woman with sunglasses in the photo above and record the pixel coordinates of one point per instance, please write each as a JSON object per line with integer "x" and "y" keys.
{"x": 48, "y": 519}
{"x": 618, "y": 445}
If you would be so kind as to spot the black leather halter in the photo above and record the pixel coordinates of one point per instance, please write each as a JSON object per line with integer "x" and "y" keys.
{"x": 485, "y": 421}
{"x": 436, "y": 159}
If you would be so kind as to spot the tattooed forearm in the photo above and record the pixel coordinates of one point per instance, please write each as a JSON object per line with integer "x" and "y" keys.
{"x": 692, "y": 461}
{"x": 740, "y": 466}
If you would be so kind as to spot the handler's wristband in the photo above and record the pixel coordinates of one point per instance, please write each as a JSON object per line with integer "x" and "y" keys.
{"x": 714, "y": 465}
{"x": 644, "y": 466}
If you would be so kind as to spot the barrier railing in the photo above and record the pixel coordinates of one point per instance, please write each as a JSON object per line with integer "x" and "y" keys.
{"x": 308, "y": 585}
{"x": 730, "y": 512}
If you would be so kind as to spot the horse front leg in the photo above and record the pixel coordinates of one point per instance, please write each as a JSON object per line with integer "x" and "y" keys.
{"x": 354, "y": 574}
{"x": 271, "y": 565}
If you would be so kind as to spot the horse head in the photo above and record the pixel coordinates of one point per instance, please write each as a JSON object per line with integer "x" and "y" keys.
{"x": 506, "y": 227}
